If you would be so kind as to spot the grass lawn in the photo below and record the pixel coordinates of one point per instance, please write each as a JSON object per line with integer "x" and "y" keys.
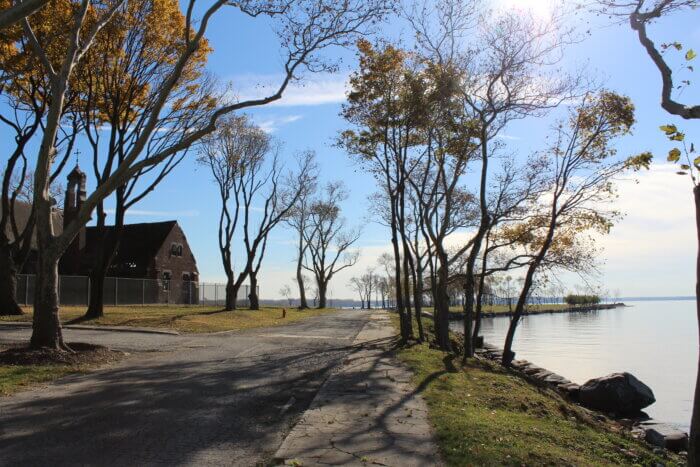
{"x": 195, "y": 319}
{"x": 485, "y": 415}
{"x": 14, "y": 378}
{"x": 21, "y": 367}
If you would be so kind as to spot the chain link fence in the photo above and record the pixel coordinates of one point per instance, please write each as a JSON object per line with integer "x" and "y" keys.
{"x": 75, "y": 290}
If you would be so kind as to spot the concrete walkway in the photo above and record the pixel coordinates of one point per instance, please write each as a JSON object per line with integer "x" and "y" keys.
{"x": 367, "y": 412}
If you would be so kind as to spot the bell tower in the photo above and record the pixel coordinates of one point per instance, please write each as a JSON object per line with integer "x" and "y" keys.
{"x": 75, "y": 197}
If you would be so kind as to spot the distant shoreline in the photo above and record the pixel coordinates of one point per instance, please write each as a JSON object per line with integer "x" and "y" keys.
{"x": 458, "y": 316}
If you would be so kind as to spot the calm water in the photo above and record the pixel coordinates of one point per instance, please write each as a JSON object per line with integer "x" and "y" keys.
{"x": 657, "y": 341}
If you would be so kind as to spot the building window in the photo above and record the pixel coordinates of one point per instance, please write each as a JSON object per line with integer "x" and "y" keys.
{"x": 167, "y": 275}
{"x": 176, "y": 249}
{"x": 186, "y": 276}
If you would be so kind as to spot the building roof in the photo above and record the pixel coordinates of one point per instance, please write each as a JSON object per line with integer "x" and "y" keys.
{"x": 21, "y": 213}
{"x": 138, "y": 241}
{"x": 76, "y": 173}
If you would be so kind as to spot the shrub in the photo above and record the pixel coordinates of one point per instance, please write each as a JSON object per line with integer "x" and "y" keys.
{"x": 573, "y": 299}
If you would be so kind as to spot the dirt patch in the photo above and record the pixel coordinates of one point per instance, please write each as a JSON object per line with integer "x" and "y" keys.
{"x": 82, "y": 354}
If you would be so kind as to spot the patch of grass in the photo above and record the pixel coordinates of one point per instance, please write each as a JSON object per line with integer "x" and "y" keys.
{"x": 21, "y": 367}
{"x": 191, "y": 319}
{"x": 486, "y": 415}
{"x": 14, "y": 378}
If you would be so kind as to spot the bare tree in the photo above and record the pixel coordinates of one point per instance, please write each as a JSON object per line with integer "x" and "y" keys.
{"x": 279, "y": 193}
{"x": 369, "y": 282}
{"x": 286, "y": 292}
{"x": 246, "y": 167}
{"x": 582, "y": 166}
{"x": 298, "y": 220}
{"x": 356, "y": 284}
{"x": 329, "y": 240}
{"x": 235, "y": 145}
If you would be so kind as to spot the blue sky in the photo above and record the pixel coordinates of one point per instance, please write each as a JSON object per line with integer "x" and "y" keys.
{"x": 651, "y": 252}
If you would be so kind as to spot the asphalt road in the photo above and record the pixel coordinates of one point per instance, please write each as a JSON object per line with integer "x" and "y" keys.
{"x": 224, "y": 399}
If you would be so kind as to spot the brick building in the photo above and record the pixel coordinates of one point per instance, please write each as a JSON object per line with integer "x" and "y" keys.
{"x": 152, "y": 250}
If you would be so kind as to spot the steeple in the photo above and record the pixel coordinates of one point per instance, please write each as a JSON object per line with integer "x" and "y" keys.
{"x": 75, "y": 197}
{"x": 75, "y": 194}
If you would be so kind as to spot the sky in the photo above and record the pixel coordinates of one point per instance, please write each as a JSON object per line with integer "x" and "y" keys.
{"x": 651, "y": 252}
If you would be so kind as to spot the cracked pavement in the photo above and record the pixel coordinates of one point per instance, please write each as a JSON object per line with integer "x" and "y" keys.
{"x": 218, "y": 399}
{"x": 367, "y": 412}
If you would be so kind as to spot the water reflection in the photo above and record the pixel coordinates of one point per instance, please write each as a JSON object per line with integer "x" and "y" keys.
{"x": 656, "y": 341}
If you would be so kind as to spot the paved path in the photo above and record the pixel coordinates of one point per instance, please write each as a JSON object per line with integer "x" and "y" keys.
{"x": 367, "y": 412}
{"x": 226, "y": 399}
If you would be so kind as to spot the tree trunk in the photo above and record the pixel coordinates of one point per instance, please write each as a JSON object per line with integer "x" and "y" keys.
{"x": 46, "y": 326}
{"x": 479, "y": 302}
{"x": 303, "y": 305}
{"x": 508, "y": 354}
{"x": 231, "y": 293}
{"x": 8, "y": 284}
{"x": 97, "y": 294}
{"x": 468, "y": 315}
{"x": 111, "y": 239}
{"x": 322, "y": 288}
{"x": 694, "y": 447}
{"x": 253, "y": 295}
{"x": 442, "y": 305}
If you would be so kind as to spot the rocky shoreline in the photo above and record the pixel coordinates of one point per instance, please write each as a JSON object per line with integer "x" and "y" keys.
{"x": 458, "y": 316}
{"x": 652, "y": 431}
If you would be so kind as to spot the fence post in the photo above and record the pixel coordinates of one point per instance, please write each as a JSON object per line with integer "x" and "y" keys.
{"x": 216, "y": 295}
{"x": 26, "y": 290}
{"x": 143, "y": 292}
{"x": 116, "y": 290}
{"x": 87, "y": 292}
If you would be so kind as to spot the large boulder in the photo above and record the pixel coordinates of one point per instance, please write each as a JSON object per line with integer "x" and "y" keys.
{"x": 620, "y": 393}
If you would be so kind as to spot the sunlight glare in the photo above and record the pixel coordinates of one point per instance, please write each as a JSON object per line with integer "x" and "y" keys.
{"x": 538, "y": 8}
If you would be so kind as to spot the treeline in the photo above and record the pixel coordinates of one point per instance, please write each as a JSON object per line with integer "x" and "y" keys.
{"x": 462, "y": 207}
{"x": 573, "y": 299}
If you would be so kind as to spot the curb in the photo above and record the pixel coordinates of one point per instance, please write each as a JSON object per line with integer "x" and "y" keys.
{"x": 96, "y": 328}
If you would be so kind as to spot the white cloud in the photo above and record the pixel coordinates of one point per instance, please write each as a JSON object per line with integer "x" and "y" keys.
{"x": 272, "y": 124}
{"x": 652, "y": 250}
{"x": 508, "y": 137}
{"x": 316, "y": 89}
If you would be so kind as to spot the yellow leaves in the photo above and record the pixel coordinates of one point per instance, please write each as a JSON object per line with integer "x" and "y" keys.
{"x": 690, "y": 54}
{"x": 674, "y": 155}
{"x": 640, "y": 161}
{"x": 669, "y": 129}
{"x": 607, "y": 111}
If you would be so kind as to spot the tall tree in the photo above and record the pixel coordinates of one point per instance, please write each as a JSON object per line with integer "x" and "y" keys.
{"x": 304, "y": 29}
{"x": 24, "y": 90}
{"x": 118, "y": 82}
{"x": 264, "y": 180}
{"x": 298, "y": 220}
{"x": 329, "y": 240}
{"x": 640, "y": 14}
{"x": 235, "y": 145}
{"x": 385, "y": 113}
{"x": 583, "y": 164}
